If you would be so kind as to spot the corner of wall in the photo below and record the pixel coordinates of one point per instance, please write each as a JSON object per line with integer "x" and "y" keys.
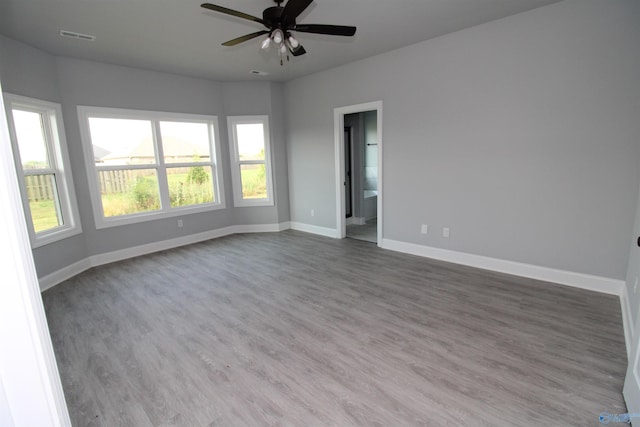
{"x": 627, "y": 319}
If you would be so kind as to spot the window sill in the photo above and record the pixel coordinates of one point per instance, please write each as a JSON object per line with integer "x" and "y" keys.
{"x": 118, "y": 221}
{"x": 252, "y": 203}
{"x": 50, "y": 237}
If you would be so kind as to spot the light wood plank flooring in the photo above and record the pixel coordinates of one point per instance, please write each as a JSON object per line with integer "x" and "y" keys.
{"x": 292, "y": 329}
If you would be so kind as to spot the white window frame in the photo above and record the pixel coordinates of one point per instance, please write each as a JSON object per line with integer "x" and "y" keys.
{"x": 236, "y": 179}
{"x": 56, "y": 144}
{"x": 155, "y": 117}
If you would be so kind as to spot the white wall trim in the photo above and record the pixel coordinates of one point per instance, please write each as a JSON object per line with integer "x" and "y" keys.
{"x": 31, "y": 390}
{"x": 261, "y": 228}
{"x": 579, "y": 280}
{"x": 563, "y": 277}
{"x": 78, "y": 267}
{"x": 315, "y": 229}
{"x": 67, "y": 272}
{"x": 135, "y": 251}
{"x": 627, "y": 321}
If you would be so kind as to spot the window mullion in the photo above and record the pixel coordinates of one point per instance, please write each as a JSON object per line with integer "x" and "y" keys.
{"x": 62, "y": 214}
{"x": 163, "y": 183}
{"x": 32, "y": 172}
{"x": 252, "y": 162}
{"x": 125, "y": 167}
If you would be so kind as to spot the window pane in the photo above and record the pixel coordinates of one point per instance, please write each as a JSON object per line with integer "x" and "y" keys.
{"x": 254, "y": 181}
{"x": 184, "y": 142}
{"x": 129, "y": 191}
{"x": 43, "y": 202}
{"x": 122, "y": 142}
{"x": 250, "y": 141}
{"x": 31, "y": 139}
{"x": 190, "y": 186}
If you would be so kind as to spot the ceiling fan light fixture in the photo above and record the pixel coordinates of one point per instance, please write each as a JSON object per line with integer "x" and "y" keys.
{"x": 293, "y": 41}
{"x": 264, "y": 45}
{"x": 277, "y": 36}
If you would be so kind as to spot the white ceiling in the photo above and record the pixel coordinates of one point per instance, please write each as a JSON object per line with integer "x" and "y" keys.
{"x": 183, "y": 38}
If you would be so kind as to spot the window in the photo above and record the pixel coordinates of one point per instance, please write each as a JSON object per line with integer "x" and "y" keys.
{"x": 251, "y": 170}
{"x": 145, "y": 165}
{"x": 41, "y": 158}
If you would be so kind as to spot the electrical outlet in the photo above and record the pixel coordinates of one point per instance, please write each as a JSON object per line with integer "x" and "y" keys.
{"x": 180, "y": 223}
{"x": 423, "y": 229}
{"x": 445, "y": 232}
{"x": 313, "y": 212}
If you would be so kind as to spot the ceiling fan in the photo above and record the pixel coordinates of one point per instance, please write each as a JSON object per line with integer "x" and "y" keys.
{"x": 280, "y": 21}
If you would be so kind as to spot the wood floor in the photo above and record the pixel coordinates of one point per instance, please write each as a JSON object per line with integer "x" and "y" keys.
{"x": 292, "y": 329}
{"x": 367, "y": 232}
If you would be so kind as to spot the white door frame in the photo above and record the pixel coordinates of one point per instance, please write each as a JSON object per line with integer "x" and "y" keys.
{"x": 631, "y": 390}
{"x": 30, "y": 389}
{"x": 338, "y": 125}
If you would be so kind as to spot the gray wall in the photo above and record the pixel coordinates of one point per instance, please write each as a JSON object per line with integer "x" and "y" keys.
{"x": 71, "y": 82}
{"x": 279, "y": 152}
{"x": 261, "y": 98}
{"x": 521, "y": 135}
{"x": 103, "y": 85}
{"x": 30, "y": 72}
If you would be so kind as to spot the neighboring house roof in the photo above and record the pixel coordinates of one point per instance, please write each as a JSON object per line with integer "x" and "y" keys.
{"x": 171, "y": 146}
{"x": 99, "y": 152}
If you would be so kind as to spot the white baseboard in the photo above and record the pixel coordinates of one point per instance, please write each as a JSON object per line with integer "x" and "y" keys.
{"x": 261, "y": 228}
{"x": 119, "y": 255}
{"x": 69, "y": 271}
{"x": 627, "y": 321}
{"x": 314, "y": 229}
{"x": 569, "y": 278}
{"x": 584, "y": 281}
{"x": 52, "y": 279}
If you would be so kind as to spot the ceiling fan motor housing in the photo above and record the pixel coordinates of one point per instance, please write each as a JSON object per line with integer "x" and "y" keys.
{"x": 273, "y": 17}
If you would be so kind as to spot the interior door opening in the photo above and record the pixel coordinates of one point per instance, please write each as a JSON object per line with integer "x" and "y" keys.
{"x": 358, "y": 131}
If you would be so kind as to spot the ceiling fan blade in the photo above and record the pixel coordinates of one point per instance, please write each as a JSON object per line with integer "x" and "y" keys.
{"x": 244, "y": 38}
{"x": 232, "y": 12}
{"x": 297, "y": 51}
{"x": 333, "y": 30}
{"x": 293, "y": 8}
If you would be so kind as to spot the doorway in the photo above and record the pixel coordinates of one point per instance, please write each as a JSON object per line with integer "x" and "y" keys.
{"x": 358, "y": 144}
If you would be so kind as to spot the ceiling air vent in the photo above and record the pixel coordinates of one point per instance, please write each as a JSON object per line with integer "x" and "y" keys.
{"x": 74, "y": 35}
